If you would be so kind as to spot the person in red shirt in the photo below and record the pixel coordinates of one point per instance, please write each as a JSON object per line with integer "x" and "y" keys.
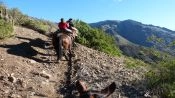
{"x": 63, "y": 26}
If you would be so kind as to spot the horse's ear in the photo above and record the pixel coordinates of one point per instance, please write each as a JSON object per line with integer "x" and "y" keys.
{"x": 109, "y": 90}
{"x": 81, "y": 87}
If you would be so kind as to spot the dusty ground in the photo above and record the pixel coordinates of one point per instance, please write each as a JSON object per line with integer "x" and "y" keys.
{"x": 28, "y": 70}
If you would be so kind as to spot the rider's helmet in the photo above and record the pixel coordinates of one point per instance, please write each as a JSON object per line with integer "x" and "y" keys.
{"x": 70, "y": 19}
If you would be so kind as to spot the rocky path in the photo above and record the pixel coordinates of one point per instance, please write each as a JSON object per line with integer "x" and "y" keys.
{"x": 27, "y": 70}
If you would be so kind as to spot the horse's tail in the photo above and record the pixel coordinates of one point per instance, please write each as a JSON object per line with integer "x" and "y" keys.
{"x": 57, "y": 43}
{"x": 59, "y": 49}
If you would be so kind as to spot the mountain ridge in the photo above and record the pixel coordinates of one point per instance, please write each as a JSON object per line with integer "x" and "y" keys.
{"x": 137, "y": 32}
{"x": 131, "y": 20}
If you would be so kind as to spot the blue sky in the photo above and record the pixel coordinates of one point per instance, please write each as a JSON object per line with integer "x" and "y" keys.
{"x": 156, "y": 12}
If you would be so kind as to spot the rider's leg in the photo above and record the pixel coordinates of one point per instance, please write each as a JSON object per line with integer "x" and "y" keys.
{"x": 75, "y": 31}
{"x": 68, "y": 31}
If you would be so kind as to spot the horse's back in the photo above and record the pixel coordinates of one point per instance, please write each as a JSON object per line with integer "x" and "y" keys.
{"x": 66, "y": 40}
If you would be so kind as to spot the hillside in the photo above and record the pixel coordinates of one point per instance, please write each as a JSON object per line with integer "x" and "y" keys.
{"x": 28, "y": 69}
{"x": 139, "y": 33}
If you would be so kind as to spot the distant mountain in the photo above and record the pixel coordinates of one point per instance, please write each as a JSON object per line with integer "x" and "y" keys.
{"x": 135, "y": 32}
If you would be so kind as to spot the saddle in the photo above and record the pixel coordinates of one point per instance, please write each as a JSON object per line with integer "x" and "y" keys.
{"x": 60, "y": 32}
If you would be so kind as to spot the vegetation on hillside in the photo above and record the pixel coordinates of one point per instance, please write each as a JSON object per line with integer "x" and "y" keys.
{"x": 161, "y": 44}
{"x": 6, "y": 26}
{"x": 161, "y": 77}
{"x": 96, "y": 39}
{"x": 39, "y": 25}
{"x": 20, "y": 19}
{"x": 6, "y": 29}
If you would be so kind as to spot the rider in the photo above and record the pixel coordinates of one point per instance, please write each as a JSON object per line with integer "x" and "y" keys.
{"x": 70, "y": 23}
{"x": 71, "y": 27}
{"x": 63, "y": 26}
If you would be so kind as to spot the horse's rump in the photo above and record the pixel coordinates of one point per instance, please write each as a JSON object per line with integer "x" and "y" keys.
{"x": 66, "y": 41}
{"x": 62, "y": 44}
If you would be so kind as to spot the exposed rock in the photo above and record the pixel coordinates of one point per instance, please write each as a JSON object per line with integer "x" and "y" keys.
{"x": 32, "y": 61}
{"x": 12, "y": 79}
{"x": 45, "y": 75}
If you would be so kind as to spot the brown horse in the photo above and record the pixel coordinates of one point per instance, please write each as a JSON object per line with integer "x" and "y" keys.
{"x": 85, "y": 93}
{"x": 62, "y": 44}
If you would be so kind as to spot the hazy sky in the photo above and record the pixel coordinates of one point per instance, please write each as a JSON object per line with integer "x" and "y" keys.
{"x": 156, "y": 12}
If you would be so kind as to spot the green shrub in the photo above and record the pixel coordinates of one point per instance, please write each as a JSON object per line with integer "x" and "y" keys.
{"x": 96, "y": 39}
{"x": 17, "y": 16}
{"x": 38, "y": 25}
{"x": 132, "y": 63}
{"x": 162, "y": 78}
{"x": 6, "y": 29}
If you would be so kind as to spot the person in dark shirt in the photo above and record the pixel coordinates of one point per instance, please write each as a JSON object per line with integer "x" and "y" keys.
{"x": 71, "y": 26}
{"x": 74, "y": 30}
{"x": 70, "y": 23}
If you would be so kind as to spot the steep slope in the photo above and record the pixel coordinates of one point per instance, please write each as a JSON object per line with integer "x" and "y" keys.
{"x": 99, "y": 70}
{"x": 28, "y": 69}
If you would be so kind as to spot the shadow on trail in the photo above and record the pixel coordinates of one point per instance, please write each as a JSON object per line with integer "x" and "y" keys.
{"x": 34, "y": 42}
{"x": 137, "y": 89}
{"x": 25, "y": 49}
{"x": 131, "y": 92}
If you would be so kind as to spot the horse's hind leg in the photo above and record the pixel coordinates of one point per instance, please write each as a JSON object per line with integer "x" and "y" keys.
{"x": 66, "y": 55}
{"x": 71, "y": 52}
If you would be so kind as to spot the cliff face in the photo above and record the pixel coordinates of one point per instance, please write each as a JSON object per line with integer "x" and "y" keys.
{"x": 28, "y": 69}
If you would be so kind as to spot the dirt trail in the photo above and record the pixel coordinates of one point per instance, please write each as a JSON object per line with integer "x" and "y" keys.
{"x": 26, "y": 60}
{"x": 27, "y": 70}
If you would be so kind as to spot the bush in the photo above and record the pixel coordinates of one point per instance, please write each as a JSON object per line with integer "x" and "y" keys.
{"x": 132, "y": 63}
{"x": 6, "y": 29}
{"x": 96, "y": 39}
{"x": 38, "y": 25}
{"x": 162, "y": 78}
